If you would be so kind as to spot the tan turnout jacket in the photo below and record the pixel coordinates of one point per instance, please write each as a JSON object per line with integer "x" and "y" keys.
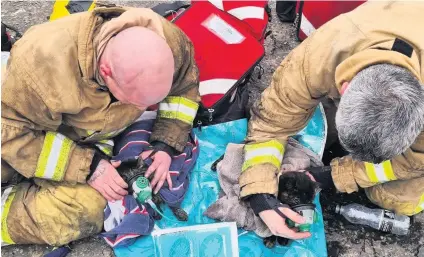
{"x": 52, "y": 104}
{"x": 316, "y": 69}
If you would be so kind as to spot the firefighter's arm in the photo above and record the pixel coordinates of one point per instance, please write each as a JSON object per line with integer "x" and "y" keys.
{"x": 43, "y": 154}
{"x": 348, "y": 174}
{"x": 283, "y": 110}
{"x": 177, "y": 111}
{"x": 29, "y": 142}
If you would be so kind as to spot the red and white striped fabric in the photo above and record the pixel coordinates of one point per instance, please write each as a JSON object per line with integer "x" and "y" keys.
{"x": 314, "y": 14}
{"x": 226, "y": 47}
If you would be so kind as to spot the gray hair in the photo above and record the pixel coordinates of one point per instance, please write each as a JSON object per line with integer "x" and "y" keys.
{"x": 381, "y": 113}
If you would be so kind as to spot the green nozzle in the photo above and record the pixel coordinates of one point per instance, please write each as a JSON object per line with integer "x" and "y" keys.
{"x": 142, "y": 182}
{"x": 304, "y": 227}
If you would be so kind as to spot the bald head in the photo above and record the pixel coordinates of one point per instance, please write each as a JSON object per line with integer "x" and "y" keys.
{"x": 137, "y": 65}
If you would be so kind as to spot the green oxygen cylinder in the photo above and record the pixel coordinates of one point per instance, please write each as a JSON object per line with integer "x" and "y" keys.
{"x": 142, "y": 189}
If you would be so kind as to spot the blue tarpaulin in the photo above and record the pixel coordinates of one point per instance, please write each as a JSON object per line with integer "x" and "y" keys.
{"x": 204, "y": 190}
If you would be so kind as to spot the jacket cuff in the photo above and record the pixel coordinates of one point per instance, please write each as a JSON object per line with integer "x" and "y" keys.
{"x": 259, "y": 179}
{"x": 342, "y": 174}
{"x": 322, "y": 175}
{"x": 79, "y": 165}
{"x": 97, "y": 157}
{"x": 161, "y": 146}
{"x": 261, "y": 202}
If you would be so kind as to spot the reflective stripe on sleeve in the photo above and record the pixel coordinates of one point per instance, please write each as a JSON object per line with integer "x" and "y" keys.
{"x": 267, "y": 152}
{"x": 6, "y": 202}
{"x": 380, "y": 173}
{"x": 54, "y": 157}
{"x": 420, "y": 206}
{"x": 180, "y": 108}
{"x": 106, "y": 146}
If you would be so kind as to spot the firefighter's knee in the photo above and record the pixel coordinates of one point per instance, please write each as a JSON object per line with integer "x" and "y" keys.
{"x": 54, "y": 213}
{"x": 70, "y": 213}
{"x": 403, "y": 197}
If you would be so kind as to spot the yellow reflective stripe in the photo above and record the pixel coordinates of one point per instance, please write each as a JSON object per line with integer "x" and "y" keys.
{"x": 181, "y": 100}
{"x": 175, "y": 115}
{"x": 107, "y": 142}
{"x": 420, "y": 206}
{"x": 107, "y": 149}
{"x": 388, "y": 170}
{"x": 177, "y": 107}
{"x": 60, "y": 10}
{"x": 267, "y": 152}
{"x": 6, "y": 202}
{"x": 54, "y": 157}
{"x": 369, "y": 167}
{"x": 380, "y": 173}
{"x": 92, "y": 6}
{"x": 91, "y": 134}
{"x": 259, "y": 160}
{"x": 273, "y": 143}
{"x": 106, "y": 146}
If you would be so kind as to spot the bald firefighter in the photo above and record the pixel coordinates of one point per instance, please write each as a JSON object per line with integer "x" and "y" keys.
{"x": 70, "y": 86}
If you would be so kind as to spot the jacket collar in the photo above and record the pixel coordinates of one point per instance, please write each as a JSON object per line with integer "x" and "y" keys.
{"x": 346, "y": 70}
{"x": 101, "y": 25}
{"x": 89, "y": 29}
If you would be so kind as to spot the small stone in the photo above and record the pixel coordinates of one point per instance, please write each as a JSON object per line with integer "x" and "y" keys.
{"x": 421, "y": 251}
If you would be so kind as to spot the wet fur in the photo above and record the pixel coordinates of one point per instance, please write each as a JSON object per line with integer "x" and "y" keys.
{"x": 293, "y": 188}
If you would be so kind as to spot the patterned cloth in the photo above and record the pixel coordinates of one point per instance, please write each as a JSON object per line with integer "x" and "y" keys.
{"x": 125, "y": 220}
{"x": 135, "y": 140}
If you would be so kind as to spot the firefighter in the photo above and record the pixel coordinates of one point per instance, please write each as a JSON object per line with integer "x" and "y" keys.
{"x": 369, "y": 63}
{"x": 71, "y": 85}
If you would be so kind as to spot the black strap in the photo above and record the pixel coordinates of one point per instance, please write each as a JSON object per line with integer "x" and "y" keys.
{"x": 279, "y": 212}
{"x": 166, "y": 9}
{"x": 152, "y": 153}
{"x": 402, "y": 47}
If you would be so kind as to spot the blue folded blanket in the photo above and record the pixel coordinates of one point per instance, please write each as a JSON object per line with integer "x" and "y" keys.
{"x": 204, "y": 190}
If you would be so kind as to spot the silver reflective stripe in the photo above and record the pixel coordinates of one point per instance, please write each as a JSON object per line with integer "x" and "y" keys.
{"x": 379, "y": 172}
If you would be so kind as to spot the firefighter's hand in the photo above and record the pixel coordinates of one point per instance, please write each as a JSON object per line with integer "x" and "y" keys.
{"x": 160, "y": 166}
{"x": 278, "y": 225}
{"x": 107, "y": 181}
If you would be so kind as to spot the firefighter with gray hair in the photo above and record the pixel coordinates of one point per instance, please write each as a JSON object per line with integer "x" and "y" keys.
{"x": 368, "y": 72}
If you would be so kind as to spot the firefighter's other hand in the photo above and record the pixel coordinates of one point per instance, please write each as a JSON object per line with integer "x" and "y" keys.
{"x": 278, "y": 225}
{"x": 107, "y": 181}
{"x": 160, "y": 166}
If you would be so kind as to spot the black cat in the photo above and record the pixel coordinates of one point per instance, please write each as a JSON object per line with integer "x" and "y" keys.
{"x": 294, "y": 188}
{"x": 130, "y": 171}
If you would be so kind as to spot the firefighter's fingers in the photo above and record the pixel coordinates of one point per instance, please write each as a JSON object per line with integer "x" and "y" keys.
{"x": 160, "y": 171}
{"x": 292, "y": 215}
{"x": 115, "y": 196}
{"x": 289, "y": 233}
{"x": 118, "y": 180}
{"x": 160, "y": 183}
{"x": 105, "y": 194}
{"x": 146, "y": 154}
{"x": 152, "y": 168}
{"x": 169, "y": 180}
{"x": 118, "y": 189}
{"x": 115, "y": 164}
